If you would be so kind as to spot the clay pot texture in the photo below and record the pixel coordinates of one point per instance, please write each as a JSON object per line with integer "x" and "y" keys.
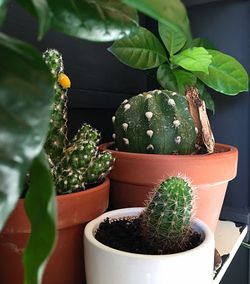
{"x": 134, "y": 175}
{"x": 66, "y": 265}
{"x": 105, "y": 265}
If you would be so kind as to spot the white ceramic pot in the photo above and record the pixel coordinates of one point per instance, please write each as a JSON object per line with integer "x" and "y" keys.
{"x": 104, "y": 265}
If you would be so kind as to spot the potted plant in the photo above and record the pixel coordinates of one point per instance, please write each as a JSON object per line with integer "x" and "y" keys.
{"x": 26, "y": 88}
{"x": 152, "y": 244}
{"x": 154, "y": 116}
{"x": 79, "y": 172}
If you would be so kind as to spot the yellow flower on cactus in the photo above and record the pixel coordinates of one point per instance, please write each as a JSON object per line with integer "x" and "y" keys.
{"x": 64, "y": 81}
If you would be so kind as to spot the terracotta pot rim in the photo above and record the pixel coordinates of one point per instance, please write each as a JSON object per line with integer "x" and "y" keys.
{"x": 82, "y": 193}
{"x": 223, "y": 150}
{"x": 79, "y": 194}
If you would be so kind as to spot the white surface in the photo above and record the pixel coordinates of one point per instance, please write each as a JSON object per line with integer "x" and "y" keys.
{"x": 105, "y": 265}
{"x": 227, "y": 241}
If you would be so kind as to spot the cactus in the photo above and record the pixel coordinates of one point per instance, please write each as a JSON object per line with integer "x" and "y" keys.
{"x": 155, "y": 122}
{"x": 75, "y": 164}
{"x": 57, "y": 135}
{"x": 166, "y": 222}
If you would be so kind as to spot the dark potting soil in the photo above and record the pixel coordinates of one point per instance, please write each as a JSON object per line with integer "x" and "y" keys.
{"x": 123, "y": 234}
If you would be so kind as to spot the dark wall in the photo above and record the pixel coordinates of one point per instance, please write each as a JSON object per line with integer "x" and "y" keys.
{"x": 100, "y": 83}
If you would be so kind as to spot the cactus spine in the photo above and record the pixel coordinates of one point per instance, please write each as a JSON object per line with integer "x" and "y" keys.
{"x": 155, "y": 122}
{"x": 166, "y": 222}
{"x": 76, "y": 164}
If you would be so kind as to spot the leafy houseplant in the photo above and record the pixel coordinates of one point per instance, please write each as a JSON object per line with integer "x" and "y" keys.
{"x": 75, "y": 165}
{"x": 156, "y": 241}
{"x": 151, "y": 123}
{"x": 180, "y": 61}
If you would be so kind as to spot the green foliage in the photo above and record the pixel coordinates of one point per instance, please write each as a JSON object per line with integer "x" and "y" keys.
{"x": 193, "y": 59}
{"x": 166, "y": 221}
{"x": 226, "y": 75}
{"x": 141, "y": 50}
{"x": 40, "y": 198}
{"x": 173, "y": 40}
{"x": 24, "y": 116}
{"x": 2, "y": 10}
{"x": 171, "y": 13}
{"x": 96, "y": 20}
{"x": 197, "y": 56}
{"x": 156, "y": 122}
{"x": 40, "y": 9}
{"x": 203, "y": 42}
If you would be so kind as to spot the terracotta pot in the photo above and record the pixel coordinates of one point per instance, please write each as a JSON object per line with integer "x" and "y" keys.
{"x": 67, "y": 262}
{"x": 134, "y": 175}
{"x": 105, "y": 265}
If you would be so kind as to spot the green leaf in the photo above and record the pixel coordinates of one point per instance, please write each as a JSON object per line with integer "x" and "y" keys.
{"x": 2, "y": 10}
{"x": 205, "y": 96}
{"x": 203, "y": 42}
{"x": 172, "y": 13}
{"x": 193, "y": 59}
{"x": 41, "y": 10}
{"x": 184, "y": 79}
{"x": 141, "y": 50}
{"x": 96, "y": 20}
{"x": 172, "y": 39}
{"x": 40, "y": 208}
{"x": 166, "y": 78}
{"x": 226, "y": 74}
{"x": 26, "y": 90}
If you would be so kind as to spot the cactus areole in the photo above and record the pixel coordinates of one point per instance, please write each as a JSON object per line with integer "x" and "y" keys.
{"x": 156, "y": 122}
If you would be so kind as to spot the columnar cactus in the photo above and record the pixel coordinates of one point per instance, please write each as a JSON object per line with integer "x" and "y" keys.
{"x": 155, "y": 122}
{"x": 57, "y": 136}
{"x": 166, "y": 222}
{"x": 76, "y": 164}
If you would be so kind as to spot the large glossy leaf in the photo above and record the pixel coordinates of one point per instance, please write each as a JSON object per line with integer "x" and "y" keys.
{"x": 169, "y": 12}
{"x": 40, "y": 208}
{"x": 184, "y": 79}
{"x": 172, "y": 39}
{"x": 2, "y": 10}
{"x": 97, "y": 20}
{"x": 41, "y": 10}
{"x": 25, "y": 103}
{"x": 226, "y": 74}
{"x": 193, "y": 59}
{"x": 140, "y": 50}
{"x": 166, "y": 78}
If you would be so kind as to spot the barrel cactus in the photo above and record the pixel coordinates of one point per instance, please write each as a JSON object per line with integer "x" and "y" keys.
{"x": 75, "y": 164}
{"x": 157, "y": 122}
{"x": 166, "y": 221}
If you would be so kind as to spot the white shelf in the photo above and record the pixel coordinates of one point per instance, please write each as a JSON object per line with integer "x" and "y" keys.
{"x": 228, "y": 239}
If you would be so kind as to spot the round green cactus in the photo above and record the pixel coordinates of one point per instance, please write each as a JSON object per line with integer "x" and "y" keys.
{"x": 166, "y": 222}
{"x": 155, "y": 122}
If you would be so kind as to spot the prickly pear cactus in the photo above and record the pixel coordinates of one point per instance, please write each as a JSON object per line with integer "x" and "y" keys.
{"x": 77, "y": 164}
{"x": 155, "y": 122}
{"x": 166, "y": 222}
{"x": 57, "y": 135}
